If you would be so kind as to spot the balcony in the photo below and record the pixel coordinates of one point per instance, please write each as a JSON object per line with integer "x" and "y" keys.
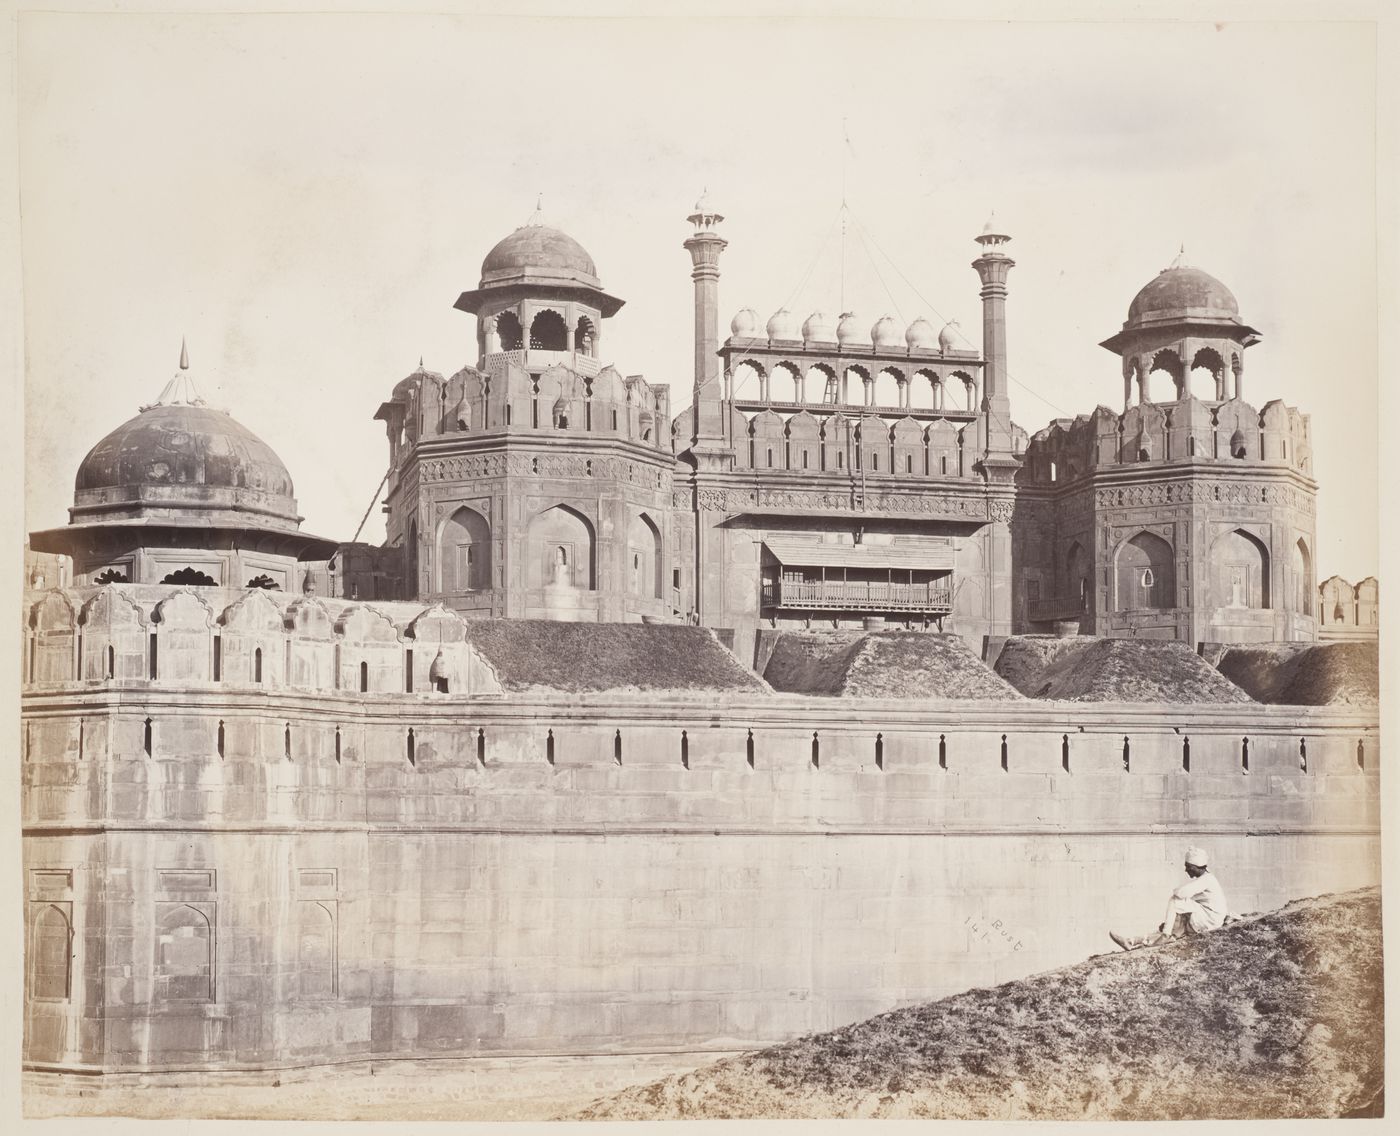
{"x": 536, "y": 359}
{"x": 1056, "y": 607}
{"x": 934, "y": 597}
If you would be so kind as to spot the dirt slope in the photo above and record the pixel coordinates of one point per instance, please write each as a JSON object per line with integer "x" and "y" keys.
{"x": 1306, "y": 674}
{"x": 1087, "y": 669}
{"x": 1275, "y": 1016}
{"x": 882, "y": 664}
{"x": 540, "y": 653}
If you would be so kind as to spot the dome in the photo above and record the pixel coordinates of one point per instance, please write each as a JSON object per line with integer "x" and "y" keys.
{"x": 848, "y": 330}
{"x": 818, "y": 329}
{"x": 920, "y": 334}
{"x": 782, "y": 325}
{"x": 1181, "y": 292}
{"x": 885, "y": 333}
{"x": 540, "y": 251}
{"x": 744, "y": 324}
{"x": 947, "y": 336}
{"x": 185, "y": 464}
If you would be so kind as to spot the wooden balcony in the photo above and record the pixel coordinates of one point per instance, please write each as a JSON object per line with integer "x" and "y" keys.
{"x": 934, "y": 597}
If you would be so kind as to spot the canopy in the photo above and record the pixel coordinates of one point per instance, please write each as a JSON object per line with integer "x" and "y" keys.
{"x": 924, "y": 555}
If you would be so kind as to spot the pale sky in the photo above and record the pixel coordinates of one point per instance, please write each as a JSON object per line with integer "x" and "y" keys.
{"x": 304, "y": 197}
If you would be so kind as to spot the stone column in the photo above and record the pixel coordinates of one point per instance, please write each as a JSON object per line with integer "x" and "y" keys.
{"x": 705, "y": 247}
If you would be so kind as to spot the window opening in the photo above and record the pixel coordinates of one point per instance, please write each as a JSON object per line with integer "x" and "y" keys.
{"x": 147, "y": 739}
{"x": 748, "y": 750}
{"x": 411, "y": 747}
{"x": 685, "y": 751}
{"x": 942, "y": 752}
{"x": 257, "y": 665}
{"x": 1186, "y": 755}
{"x": 1127, "y": 756}
{"x": 617, "y": 746}
{"x": 1303, "y": 754}
{"x": 1064, "y": 752}
{"x": 879, "y": 751}
{"x": 1244, "y": 755}
{"x": 155, "y": 655}
{"x": 1004, "y": 756}
{"x": 549, "y": 746}
{"x": 364, "y": 677}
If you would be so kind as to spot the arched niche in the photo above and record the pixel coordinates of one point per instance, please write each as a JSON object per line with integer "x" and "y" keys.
{"x": 644, "y": 560}
{"x": 1145, "y": 574}
{"x": 184, "y": 962}
{"x": 464, "y": 553}
{"x": 50, "y": 954}
{"x": 559, "y": 543}
{"x": 1239, "y": 565}
{"x": 1077, "y": 574}
{"x": 1303, "y": 593}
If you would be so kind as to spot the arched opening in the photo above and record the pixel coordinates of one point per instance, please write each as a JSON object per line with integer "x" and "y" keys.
{"x": 1207, "y": 376}
{"x": 1077, "y": 575}
{"x": 1169, "y": 363}
{"x": 184, "y": 956}
{"x": 784, "y": 383}
{"x": 560, "y": 544}
{"x": 1239, "y": 571}
{"x": 464, "y": 552}
{"x": 1304, "y": 593}
{"x": 644, "y": 556}
{"x": 315, "y": 950}
{"x": 887, "y": 387}
{"x": 856, "y": 387}
{"x": 822, "y": 384}
{"x": 191, "y": 576}
{"x": 921, "y": 390}
{"x": 548, "y": 331}
{"x": 748, "y": 380}
{"x": 969, "y": 390}
{"x": 257, "y": 664}
{"x": 266, "y": 583}
{"x": 510, "y": 332}
{"x": 1145, "y": 574}
{"x": 585, "y": 337}
{"x": 112, "y": 576}
{"x": 410, "y": 558}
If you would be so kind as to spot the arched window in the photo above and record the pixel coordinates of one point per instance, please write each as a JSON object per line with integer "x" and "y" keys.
{"x": 464, "y": 552}
{"x": 410, "y": 558}
{"x": 1145, "y": 576}
{"x": 508, "y": 327}
{"x": 267, "y": 583}
{"x": 548, "y": 332}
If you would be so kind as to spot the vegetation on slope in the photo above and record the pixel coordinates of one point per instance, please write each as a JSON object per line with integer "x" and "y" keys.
{"x": 882, "y": 664}
{"x": 1274, "y": 1016}
{"x": 1306, "y": 674}
{"x": 1085, "y": 669}
{"x": 576, "y": 657}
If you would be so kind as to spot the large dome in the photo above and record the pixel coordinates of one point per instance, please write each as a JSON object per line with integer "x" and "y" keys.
{"x": 1178, "y": 292}
{"x": 538, "y": 250}
{"x": 188, "y": 464}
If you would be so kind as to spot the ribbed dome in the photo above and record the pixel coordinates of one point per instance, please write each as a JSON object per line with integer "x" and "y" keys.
{"x": 885, "y": 333}
{"x": 849, "y": 331}
{"x": 177, "y": 461}
{"x": 1183, "y": 291}
{"x": 541, "y": 249}
{"x": 782, "y": 325}
{"x": 744, "y": 324}
{"x": 920, "y": 333}
{"x": 818, "y": 329}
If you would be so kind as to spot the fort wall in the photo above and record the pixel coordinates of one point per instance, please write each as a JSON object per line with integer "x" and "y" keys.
{"x": 269, "y": 875}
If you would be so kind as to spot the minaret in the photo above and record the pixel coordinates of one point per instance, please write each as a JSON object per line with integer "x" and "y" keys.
{"x": 704, "y": 247}
{"x": 992, "y": 266}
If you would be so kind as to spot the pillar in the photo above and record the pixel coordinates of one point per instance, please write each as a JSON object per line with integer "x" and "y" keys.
{"x": 992, "y": 268}
{"x": 705, "y": 246}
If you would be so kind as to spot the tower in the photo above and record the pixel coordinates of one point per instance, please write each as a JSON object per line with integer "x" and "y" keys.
{"x": 994, "y": 425}
{"x": 704, "y": 247}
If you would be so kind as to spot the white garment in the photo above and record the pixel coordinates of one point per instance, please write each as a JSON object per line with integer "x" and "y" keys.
{"x": 1203, "y": 899}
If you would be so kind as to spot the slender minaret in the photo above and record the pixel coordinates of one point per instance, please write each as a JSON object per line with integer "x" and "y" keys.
{"x": 704, "y": 247}
{"x": 992, "y": 267}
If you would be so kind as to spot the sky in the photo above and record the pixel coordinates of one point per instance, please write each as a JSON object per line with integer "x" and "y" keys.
{"x": 303, "y": 197}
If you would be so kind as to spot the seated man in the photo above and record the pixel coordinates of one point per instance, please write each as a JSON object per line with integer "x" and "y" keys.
{"x": 1197, "y": 905}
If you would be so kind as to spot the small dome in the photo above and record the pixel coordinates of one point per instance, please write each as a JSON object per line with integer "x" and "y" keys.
{"x": 885, "y": 333}
{"x": 920, "y": 334}
{"x": 782, "y": 325}
{"x": 744, "y": 325}
{"x": 540, "y": 250}
{"x": 1181, "y": 292}
{"x": 948, "y": 336}
{"x": 848, "y": 331}
{"x": 818, "y": 329}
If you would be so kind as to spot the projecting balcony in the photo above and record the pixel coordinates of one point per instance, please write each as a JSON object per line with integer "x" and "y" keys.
{"x": 1056, "y": 607}
{"x": 934, "y": 597}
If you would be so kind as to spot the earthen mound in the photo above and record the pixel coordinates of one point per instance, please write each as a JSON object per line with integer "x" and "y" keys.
{"x": 1086, "y": 669}
{"x": 1275, "y": 1016}
{"x": 882, "y": 664}
{"x": 1306, "y": 674}
{"x": 531, "y": 654}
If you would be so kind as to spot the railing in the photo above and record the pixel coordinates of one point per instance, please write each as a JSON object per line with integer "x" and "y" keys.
{"x": 860, "y": 595}
{"x": 1056, "y": 607}
{"x": 537, "y": 358}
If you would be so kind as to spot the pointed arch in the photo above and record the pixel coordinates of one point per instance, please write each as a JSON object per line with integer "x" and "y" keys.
{"x": 560, "y": 549}
{"x": 1144, "y": 572}
{"x": 464, "y": 553}
{"x": 1304, "y": 592}
{"x": 1239, "y": 566}
{"x": 644, "y": 560}
{"x": 184, "y": 963}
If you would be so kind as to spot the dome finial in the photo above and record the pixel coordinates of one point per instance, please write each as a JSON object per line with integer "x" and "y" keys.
{"x": 180, "y": 390}
{"x": 184, "y": 355}
{"x": 537, "y": 217}
{"x": 1180, "y": 261}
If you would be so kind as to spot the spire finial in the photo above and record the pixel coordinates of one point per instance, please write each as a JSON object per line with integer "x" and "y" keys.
{"x": 537, "y": 217}
{"x": 184, "y": 355}
{"x": 420, "y": 362}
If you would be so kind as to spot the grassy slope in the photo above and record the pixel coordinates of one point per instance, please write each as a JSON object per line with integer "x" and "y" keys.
{"x": 1275, "y": 1016}
{"x": 1115, "y": 670}
{"x": 535, "y": 653}
{"x": 1306, "y": 674}
{"x": 882, "y": 664}
{"x": 810, "y": 664}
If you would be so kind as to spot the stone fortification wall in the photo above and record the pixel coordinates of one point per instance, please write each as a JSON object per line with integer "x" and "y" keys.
{"x": 270, "y": 876}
